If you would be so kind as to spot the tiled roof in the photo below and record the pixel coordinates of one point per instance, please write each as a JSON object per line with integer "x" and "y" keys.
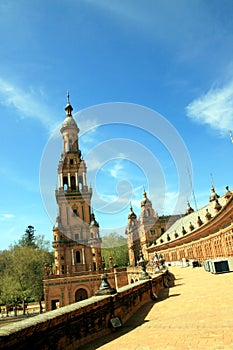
{"x": 189, "y": 222}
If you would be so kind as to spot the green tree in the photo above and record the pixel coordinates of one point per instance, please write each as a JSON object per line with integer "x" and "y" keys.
{"x": 5, "y": 257}
{"x": 115, "y": 246}
{"x": 9, "y": 290}
{"x": 22, "y": 271}
{"x": 28, "y": 239}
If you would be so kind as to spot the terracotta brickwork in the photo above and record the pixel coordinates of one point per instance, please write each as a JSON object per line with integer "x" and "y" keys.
{"x": 76, "y": 238}
{"x": 74, "y": 325}
{"x": 143, "y": 232}
{"x": 203, "y": 234}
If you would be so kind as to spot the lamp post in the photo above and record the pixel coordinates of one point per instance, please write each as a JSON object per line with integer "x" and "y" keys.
{"x": 142, "y": 263}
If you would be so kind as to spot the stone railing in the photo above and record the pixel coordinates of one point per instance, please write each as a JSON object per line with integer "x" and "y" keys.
{"x": 74, "y": 325}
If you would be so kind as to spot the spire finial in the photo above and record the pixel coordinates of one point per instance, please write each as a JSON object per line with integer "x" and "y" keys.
{"x": 212, "y": 180}
{"x": 68, "y": 108}
{"x": 68, "y": 97}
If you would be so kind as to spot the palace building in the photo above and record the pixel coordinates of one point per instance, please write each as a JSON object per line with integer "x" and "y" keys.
{"x": 200, "y": 235}
{"x": 143, "y": 232}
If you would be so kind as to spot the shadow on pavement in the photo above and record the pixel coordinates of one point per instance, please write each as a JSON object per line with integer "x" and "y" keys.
{"x": 135, "y": 321}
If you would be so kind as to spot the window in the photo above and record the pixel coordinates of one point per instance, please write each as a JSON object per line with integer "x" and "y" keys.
{"x": 78, "y": 257}
{"x": 75, "y": 212}
{"x": 65, "y": 183}
{"x": 73, "y": 185}
{"x": 71, "y": 161}
{"x": 70, "y": 145}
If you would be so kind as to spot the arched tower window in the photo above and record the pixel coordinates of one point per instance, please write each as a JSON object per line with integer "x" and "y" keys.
{"x": 147, "y": 212}
{"x": 78, "y": 257}
{"x": 80, "y": 182}
{"x": 73, "y": 185}
{"x": 75, "y": 212}
{"x": 70, "y": 144}
{"x": 65, "y": 183}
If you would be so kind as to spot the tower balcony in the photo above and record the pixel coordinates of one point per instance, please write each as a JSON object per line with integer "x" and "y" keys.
{"x": 69, "y": 192}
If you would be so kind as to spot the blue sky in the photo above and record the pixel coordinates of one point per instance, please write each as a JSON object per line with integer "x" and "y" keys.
{"x": 174, "y": 58}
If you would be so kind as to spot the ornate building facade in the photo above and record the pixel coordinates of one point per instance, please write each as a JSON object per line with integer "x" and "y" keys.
{"x": 76, "y": 238}
{"x": 200, "y": 235}
{"x": 143, "y": 232}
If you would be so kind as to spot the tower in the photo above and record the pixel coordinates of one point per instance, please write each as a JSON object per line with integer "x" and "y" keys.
{"x": 133, "y": 240}
{"x": 143, "y": 232}
{"x": 76, "y": 232}
{"x": 149, "y": 224}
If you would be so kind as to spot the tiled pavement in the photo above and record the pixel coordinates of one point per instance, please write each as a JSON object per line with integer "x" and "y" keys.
{"x": 197, "y": 315}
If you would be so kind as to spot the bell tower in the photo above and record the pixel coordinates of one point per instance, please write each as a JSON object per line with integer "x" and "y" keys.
{"x": 149, "y": 224}
{"x": 76, "y": 239}
{"x": 133, "y": 238}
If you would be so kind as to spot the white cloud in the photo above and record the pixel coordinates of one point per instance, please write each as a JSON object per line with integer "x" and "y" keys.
{"x": 214, "y": 109}
{"x": 29, "y": 104}
{"x": 6, "y": 216}
{"x": 116, "y": 169}
{"x": 94, "y": 164}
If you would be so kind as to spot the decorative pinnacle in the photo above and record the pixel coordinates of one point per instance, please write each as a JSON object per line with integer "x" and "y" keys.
{"x": 68, "y": 97}
{"x": 68, "y": 108}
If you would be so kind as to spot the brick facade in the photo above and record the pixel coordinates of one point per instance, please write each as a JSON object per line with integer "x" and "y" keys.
{"x": 203, "y": 234}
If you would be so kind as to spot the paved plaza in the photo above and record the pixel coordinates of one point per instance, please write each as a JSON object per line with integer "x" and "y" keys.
{"x": 197, "y": 314}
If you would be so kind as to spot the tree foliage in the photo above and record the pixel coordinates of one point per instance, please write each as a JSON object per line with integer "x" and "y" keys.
{"x": 28, "y": 239}
{"x": 115, "y": 246}
{"x": 22, "y": 269}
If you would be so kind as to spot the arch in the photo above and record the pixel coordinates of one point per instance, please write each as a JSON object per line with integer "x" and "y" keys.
{"x": 78, "y": 257}
{"x": 147, "y": 212}
{"x": 70, "y": 144}
{"x": 80, "y": 294}
{"x": 65, "y": 183}
{"x": 73, "y": 184}
{"x": 80, "y": 182}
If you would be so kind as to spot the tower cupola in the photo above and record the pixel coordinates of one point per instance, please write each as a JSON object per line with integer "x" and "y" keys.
{"x": 68, "y": 107}
{"x": 132, "y": 215}
{"x": 69, "y": 129}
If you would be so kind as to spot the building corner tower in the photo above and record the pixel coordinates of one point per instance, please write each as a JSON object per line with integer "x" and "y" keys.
{"x": 77, "y": 243}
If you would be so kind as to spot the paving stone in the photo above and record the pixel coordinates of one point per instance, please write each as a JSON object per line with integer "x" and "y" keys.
{"x": 197, "y": 315}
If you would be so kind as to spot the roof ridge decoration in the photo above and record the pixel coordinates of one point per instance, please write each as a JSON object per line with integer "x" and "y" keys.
{"x": 185, "y": 226}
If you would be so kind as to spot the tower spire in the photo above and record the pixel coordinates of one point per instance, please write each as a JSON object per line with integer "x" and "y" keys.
{"x": 68, "y": 97}
{"x": 68, "y": 107}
